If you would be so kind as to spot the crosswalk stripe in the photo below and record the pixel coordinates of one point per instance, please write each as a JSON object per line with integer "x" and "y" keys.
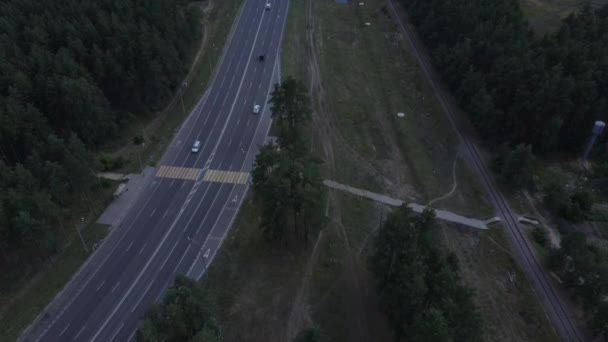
{"x": 232, "y": 177}
{"x": 177, "y": 172}
{"x": 224, "y": 177}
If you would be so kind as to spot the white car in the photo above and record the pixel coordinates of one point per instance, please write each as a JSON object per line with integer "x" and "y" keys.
{"x": 196, "y": 146}
{"x": 256, "y": 109}
{"x": 268, "y": 5}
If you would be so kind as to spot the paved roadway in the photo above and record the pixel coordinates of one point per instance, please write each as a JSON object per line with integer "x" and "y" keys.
{"x": 179, "y": 221}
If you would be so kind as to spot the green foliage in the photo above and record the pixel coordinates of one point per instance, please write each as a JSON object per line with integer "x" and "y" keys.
{"x": 583, "y": 268}
{"x": 573, "y": 205}
{"x": 309, "y": 335}
{"x": 419, "y": 288}
{"x": 138, "y": 140}
{"x": 599, "y": 323}
{"x": 110, "y": 163}
{"x": 286, "y": 176}
{"x": 291, "y": 109}
{"x": 515, "y": 167}
{"x": 518, "y": 90}
{"x": 71, "y": 72}
{"x": 184, "y": 315}
{"x": 540, "y": 236}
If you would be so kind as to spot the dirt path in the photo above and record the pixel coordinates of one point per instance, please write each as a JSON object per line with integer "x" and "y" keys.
{"x": 454, "y": 184}
{"x": 329, "y": 137}
{"x": 299, "y": 316}
{"x": 387, "y": 173}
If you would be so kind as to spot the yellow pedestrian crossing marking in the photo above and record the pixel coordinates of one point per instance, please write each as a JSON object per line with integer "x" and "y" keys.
{"x": 219, "y": 176}
{"x": 177, "y": 172}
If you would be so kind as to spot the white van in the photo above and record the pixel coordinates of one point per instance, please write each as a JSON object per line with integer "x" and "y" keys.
{"x": 196, "y": 146}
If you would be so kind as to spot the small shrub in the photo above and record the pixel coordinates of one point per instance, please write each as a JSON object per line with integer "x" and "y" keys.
{"x": 515, "y": 167}
{"x": 138, "y": 140}
{"x": 105, "y": 183}
{"x": 574, "y": 207}
{"x": 108, "y": 163}
{"x": 540, "y": 236}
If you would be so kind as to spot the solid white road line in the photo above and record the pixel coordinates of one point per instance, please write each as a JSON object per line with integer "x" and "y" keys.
{"x": 276, "y": 68}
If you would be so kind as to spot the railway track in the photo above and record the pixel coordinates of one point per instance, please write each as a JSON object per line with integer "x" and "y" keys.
{"x": 557, "y": 311}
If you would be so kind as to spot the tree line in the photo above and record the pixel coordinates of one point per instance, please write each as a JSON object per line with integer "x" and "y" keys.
{"x": 186, "y": 314}
{"x": 72, "y": 73}
{"x": 286, "y": 177}
{"x": 516, "y": 88}
{"x": 529, "y": 95}
{"x": 419, "y": 287}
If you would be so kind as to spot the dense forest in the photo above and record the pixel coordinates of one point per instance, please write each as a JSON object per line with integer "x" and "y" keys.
{"x": 537, "y": 95}
{"x": 516, "y": 88}
{"x": 419, "y": 287}
{"x": 72, "y": 73}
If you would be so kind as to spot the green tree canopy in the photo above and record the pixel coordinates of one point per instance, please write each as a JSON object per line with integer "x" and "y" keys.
{"x": 184, "y": 315}
{"x": 419, "y": 288}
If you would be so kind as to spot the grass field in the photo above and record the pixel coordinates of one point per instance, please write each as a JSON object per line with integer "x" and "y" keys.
{"x": 360, "y": 77}
{"x": 545, "y": 15}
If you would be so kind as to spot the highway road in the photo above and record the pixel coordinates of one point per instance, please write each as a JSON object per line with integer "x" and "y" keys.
{"x": 556, "y": 308}
{"x": 182, "y": 215}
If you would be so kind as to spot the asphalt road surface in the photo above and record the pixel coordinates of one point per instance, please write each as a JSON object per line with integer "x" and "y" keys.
{"x": 178, "y": 222}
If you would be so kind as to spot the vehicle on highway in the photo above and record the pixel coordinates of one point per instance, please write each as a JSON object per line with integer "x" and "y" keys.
{"x": 268, "y": 5}
{"x": 256, "y": 109}
{"x": 261, "y": 57}
{"x": 196, "y": 146}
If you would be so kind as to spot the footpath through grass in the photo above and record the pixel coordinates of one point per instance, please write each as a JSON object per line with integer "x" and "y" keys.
{"x": 24, "y": 293}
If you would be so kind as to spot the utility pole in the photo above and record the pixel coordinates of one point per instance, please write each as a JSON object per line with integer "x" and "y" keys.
{"x": 598, "y": 127}
{"x": 84, "y": 245}
{"x": 181, "y": 96}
